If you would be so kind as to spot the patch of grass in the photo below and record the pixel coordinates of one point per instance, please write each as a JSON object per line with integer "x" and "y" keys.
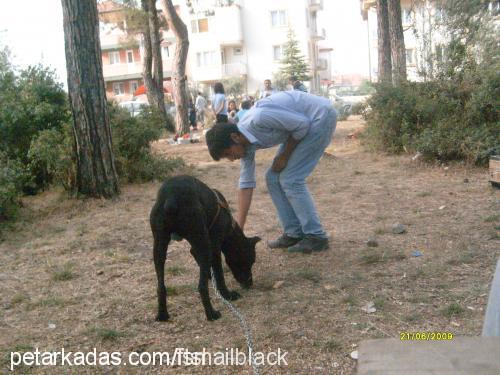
{"x": 63, "y": 273}
{"x": 453, "y": 309}
{"x": 19, "y": 298}
{"x": 380, "y": 230}
{"x": 332, "y": 344}
{"x": 350, "y": 300}
{"x": 106, "y": 334}
{"x": 379, "y": 303}
{"x": 413, "y": 317}
{"x": 357, "y": 173}
{"x": 176, "y": 270}
{"x": 372, "y": 256}
{"x": 492, "y": 218}
{"x": 309, "y": 274}
{"x": 423, "y": 194}
{"x": 49, "y": 302}
{"x": 172, "y": 291}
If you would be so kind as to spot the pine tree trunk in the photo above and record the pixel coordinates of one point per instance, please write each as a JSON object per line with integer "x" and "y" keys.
{"x": 179, "y": 72}
{"x": 152, "y": 68}
{"x": 397, "y": 42}
{"x": 96, "y": 173}
{"x": 384, "y": 43}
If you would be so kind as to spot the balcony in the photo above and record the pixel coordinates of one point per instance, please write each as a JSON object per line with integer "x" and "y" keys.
{"x": 235, "y": 69}
{"x": 121, "y": 71}
{"x": 318, "y": 34}
{"x": 315, "y": 5}
{"x": 217, "y": 72}
{"x": 229, "y": 30}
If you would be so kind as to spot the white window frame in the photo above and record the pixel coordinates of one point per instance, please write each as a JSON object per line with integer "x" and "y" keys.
{"x": 281, "y": 18}
{"x": 114, "y": 57}
{"x": 118, "y": 88}
{"x": 131, "y": 54}
{"x": 275, "y": 47}
{"x": 206, "y": 58}
{"x": 410, "y": 52}
{"x": 131, "y": 86}
{"x": 195, "y": 25}
{"x": 165, "y": 51}
{"x": 407, "y": 16}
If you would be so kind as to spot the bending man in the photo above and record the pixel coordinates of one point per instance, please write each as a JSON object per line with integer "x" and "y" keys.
{"x": 303, "y": 125}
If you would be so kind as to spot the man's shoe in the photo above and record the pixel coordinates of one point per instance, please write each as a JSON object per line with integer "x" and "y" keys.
{"x": 309, "y": 244}
{"x": 283, "y": 241}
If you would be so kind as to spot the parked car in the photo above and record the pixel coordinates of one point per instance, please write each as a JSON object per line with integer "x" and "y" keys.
{"x": 134, "y": 108}
{"x": 343, "y": 104}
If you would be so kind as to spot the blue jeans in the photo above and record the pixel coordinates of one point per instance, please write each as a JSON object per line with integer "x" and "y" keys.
{"x": 288, "y": 188}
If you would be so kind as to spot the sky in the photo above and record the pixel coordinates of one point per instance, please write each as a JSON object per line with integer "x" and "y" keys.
{"x": 33, "y": 30}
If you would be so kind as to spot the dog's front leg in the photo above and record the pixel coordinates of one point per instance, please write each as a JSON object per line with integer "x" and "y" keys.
{"x": 219, "y": 278}
{"x": 160, "y": 255}
{"x": 204, "y": 258}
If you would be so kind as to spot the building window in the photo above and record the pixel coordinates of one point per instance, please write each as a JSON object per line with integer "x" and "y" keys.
{"x": 439, "y": 14}
{"x": 166, "y": 51}
{"x": 406, "y": 16}
{"x": 409, "y": 57}
{"x": 206, "y": 58}
{"x": 237, "y": 51}
{"x": 130, "y": 56}
{"x": 277, "y": 53}
{"x": 118, "y": 88}
{"x": 199, "y": 25}
{"x": 440, "y": 53}
{"x": 133, "y": 86}
{"x": 278, "y": 18}
{"x": 114, "y": 57}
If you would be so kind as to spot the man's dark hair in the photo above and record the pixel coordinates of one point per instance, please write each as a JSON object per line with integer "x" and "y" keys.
{"x": 219, "y": 139}
{"x": 246, "y": 104}
{"x": 219, "y": 88}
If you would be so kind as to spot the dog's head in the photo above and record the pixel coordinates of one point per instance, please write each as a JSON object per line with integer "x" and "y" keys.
{"x": 239, "y": 252}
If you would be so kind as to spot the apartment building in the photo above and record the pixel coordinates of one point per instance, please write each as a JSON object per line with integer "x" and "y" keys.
{"x": 424, "y": 38}
{"x": 122, "y": 54}
{"x": 246, "y": 38}
{"x": 243, "y": 38}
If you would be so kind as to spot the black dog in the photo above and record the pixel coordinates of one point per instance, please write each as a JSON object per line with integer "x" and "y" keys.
{"x": 187, "y": 208}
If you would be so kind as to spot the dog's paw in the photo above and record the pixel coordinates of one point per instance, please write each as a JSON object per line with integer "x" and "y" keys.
{"x": 214, "y": 315}
{"x": 162, "y": 317}
{"x": 233, "y": 296}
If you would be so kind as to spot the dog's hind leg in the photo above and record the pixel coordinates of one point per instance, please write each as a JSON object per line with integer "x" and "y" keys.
{"x": 160, "y": 255}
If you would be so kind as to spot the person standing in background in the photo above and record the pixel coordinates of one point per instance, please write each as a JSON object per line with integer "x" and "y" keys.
{"x": 219, "y": 104}
{"x": 200, "y": 105}
{"x": 268, "y": 89}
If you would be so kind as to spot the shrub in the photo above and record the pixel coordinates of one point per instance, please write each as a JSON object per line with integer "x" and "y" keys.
{"x": 443, "y": 119}
{"x": 132, "y": 137}
{"x": 51, "y": 158}
{"x": 13, "y": 177}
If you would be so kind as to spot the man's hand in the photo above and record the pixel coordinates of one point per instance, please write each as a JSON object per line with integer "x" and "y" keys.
{"x": 279, "y": 163}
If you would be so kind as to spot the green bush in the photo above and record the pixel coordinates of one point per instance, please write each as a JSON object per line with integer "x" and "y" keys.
{"x": 443, "y": 119}
{"x": 132, "y": 137}
{"x": 13, "y": 177}
{"x": 51, "y": 159}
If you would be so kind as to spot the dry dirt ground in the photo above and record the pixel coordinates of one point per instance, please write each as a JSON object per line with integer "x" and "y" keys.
{"x": 79, "y": 274}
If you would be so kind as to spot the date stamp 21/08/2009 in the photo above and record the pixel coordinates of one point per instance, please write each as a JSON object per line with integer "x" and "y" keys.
{"x": 425, "y": 336}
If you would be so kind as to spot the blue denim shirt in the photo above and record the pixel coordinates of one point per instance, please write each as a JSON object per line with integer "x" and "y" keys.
{"x": 272, "y": 120}
{"x": 217, "y": 99}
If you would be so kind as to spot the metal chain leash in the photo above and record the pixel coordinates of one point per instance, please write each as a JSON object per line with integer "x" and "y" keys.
{"x": 243, "y": 323}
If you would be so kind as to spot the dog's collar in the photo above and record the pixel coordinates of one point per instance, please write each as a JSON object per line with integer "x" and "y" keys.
{"x": 224, "y": 205}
